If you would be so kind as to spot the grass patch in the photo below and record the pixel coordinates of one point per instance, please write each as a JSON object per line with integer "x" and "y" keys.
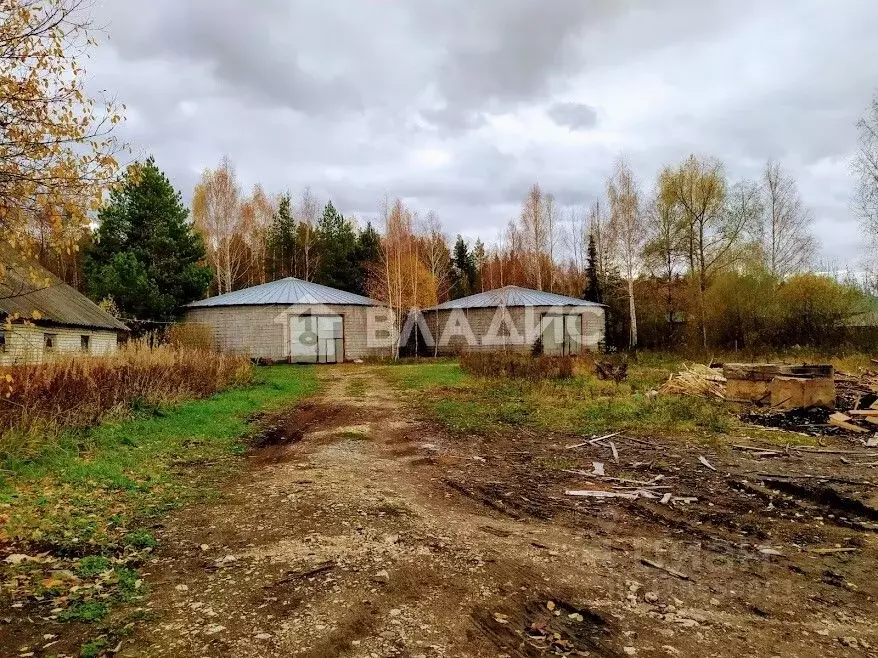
{"x": 87, "y": 500}
{"x": 583, "y": 404}
{"x": 356, "y": 388}
{"x": 427, "y": 375}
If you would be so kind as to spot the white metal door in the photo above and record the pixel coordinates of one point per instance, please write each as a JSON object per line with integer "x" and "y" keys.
{"x": 553, "y": 334}
{"x": 573, "y": 334}
{"x": 330, "y": 334}
{"x": 303, "y": 339}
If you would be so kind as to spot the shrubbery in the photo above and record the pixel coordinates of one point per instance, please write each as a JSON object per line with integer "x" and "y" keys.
{"x": 79, "y": 391}
{"x": 517, "y": 364}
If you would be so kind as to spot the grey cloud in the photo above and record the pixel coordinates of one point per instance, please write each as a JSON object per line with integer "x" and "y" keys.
{"x": 576, "y": 116}
{"x": 340, "y": 95}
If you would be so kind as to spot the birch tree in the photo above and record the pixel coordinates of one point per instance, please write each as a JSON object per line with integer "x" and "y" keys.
{"x": 438, "y": 261}
{"x": 307, "y": 238}
{"x": 257, "y": 214}
{"x": 626, "y": 220}
{"x": 866, "y": 170}
{"x": 601, "y": 230}
{"x": 787, "y": 243}
{"x": 535, "y": 231}
{"x": 57, "y": 152}
{"x": 216, "y": 215}
{"x": 699, "y": 188}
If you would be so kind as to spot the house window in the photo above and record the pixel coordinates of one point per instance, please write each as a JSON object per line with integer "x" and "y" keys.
{"x": 84, "y": 342}
{"x": 50, "y": 341}
{"x": 2, "y": 341}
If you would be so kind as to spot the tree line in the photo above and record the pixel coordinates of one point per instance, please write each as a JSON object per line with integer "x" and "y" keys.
{"x": 684, "y": 256}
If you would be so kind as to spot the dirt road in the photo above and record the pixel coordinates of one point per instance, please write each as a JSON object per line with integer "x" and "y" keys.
{"x": 353, "y": 541}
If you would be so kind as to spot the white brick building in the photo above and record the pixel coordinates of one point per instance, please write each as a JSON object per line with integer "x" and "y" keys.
{"x": 297, "y": 321}
{"x": 41, "y": 317}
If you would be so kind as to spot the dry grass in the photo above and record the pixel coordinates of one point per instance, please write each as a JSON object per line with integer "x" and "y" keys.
{"x": 189, "y": 335}
{"x": 75, "y": 392}
{"x": 517, "y": 365}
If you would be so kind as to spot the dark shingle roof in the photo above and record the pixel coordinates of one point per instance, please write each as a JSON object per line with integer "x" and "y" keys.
{"x": 287, "y": 291}
{"x": 511, "y": 296}
{"x": 30, "y": 291}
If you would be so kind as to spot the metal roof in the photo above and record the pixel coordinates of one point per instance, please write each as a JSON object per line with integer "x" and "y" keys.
{"x": 29, "y": 290}
{"x": 288, "y": 292}
{"x": 511, "y": 296}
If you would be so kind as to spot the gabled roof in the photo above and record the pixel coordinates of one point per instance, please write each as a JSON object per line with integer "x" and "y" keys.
{"x": 511, "y": 296}
{"x": 287, "y": 292}
{"x": 30, "y": 291}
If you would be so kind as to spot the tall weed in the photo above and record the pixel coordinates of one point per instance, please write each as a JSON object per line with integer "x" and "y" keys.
{"x": 38, "y": 401}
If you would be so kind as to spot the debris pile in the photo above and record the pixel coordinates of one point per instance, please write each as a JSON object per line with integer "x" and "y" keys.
{"x": 610, "y": 371}
{"x": 856, "y": 391}
{"x": 696, "y": 380}
{"x": 855, "y": 410}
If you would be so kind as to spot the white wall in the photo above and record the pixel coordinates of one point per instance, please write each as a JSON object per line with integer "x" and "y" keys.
{"x": 25, "y": 344}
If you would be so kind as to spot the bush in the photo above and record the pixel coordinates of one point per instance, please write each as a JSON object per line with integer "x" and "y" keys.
{"x": 78, "y": 391}
{"x": 516, "y": 364}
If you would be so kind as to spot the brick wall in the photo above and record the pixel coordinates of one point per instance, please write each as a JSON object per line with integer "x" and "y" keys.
{"x": 514, "y": 331}
{"x": 263, "y": 331}
{"x": 26, "y": 344}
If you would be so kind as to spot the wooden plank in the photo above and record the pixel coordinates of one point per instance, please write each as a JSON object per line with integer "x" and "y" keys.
{"x": 862, "y": 412}
{"x": 844, "y": 422}
{"x": 802, "y": 393}
{"x": 767, "y": 371}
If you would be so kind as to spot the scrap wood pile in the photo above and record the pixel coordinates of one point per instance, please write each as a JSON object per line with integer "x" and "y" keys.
{"x": 696, "y": 380}
{"x": 856, "y": 391}
{"x": 854, "y": 412}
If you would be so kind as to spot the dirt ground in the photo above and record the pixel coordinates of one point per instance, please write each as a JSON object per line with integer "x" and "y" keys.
{"x": 363, "y": 530}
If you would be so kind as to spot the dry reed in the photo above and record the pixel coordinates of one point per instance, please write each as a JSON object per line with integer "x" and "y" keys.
{"x": 79, "y": 391}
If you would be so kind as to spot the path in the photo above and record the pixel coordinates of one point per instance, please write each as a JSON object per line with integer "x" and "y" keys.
{"x": 348, "y": 542}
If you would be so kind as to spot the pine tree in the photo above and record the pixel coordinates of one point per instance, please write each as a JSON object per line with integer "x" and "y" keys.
{"x": 368, "y": 251}
{"x": 463, "y": 270}
{"x": 593, "y": 290}
{"x": 337, "y": 246}
{"x": 145, "y": 257}
{"x": 282, "y": 240}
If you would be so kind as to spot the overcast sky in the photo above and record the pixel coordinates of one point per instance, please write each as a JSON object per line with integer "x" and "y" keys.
{"x": 460, "y": 105}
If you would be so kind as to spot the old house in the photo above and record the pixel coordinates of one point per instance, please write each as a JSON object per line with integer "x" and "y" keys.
{"x": 42, "y": 317}
{"x": 509, "y": 318}
{"x": 297, "y": 321}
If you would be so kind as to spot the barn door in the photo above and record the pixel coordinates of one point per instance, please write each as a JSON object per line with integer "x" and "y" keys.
{"x": 553, "y": 334}
{"x": 303, "y": 339}
{"x": 330, "y": 336}
{"x": 562, "y": 334}
{"x": 573, "y": 334}
{"x": 316, "y": 339}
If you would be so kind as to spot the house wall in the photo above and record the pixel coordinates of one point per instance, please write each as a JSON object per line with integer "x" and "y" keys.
{"x": 263, "y": 331}
{"x": 26, "y": 344}
{"x": 484, "y": 324}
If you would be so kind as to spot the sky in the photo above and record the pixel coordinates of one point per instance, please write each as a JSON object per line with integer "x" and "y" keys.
{"x": 458, "y": 106}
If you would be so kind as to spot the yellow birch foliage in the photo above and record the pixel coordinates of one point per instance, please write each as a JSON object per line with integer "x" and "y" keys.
{"x": 57, "y": 152}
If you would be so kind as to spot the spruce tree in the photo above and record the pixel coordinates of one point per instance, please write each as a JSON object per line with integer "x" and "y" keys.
{"x": 145, "y": 256}
{"x": 337, "y": 246}
{"x": 463, "y": 270}
{"x": 282, "y": 240}
{"x": 593, "y": 291}
{"x": 367, "y": 253}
